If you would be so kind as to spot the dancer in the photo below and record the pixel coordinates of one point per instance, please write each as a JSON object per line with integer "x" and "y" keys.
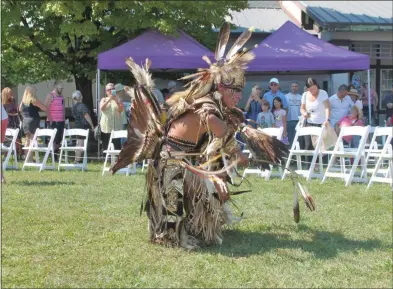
{"x": 194, "y": 155}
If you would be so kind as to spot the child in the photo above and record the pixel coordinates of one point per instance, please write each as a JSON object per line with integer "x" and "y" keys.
{"x": 280, "y": 117}
{"x": 354, "y": 119}
{"x": 265, "y": 118}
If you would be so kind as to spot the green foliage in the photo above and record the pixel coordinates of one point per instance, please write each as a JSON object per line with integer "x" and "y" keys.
{"x": 43, "y": 40}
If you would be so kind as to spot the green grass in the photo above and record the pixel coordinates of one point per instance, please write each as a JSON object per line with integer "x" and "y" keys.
{"x": 75, "y": 229}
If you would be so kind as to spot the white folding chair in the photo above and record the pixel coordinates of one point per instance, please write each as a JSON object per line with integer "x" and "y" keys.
{"x": 312, "y": 131}
{"x": 67, "y": 147}
{"x": 37, "y": 148}
{"x": 358, "y": 154}
{"x": 277, "y": 132}
{"x": 68, "y": 126}
{"x": 113, "y": 154}
{"x": 12, "y": 135}
{"x": 383, "y": 134}
{"x": 145, "y": 164}
{"x": 381, "y": 155}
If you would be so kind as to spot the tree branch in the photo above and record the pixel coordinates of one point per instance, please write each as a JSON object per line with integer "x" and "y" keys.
{"x": 38, "y": 45}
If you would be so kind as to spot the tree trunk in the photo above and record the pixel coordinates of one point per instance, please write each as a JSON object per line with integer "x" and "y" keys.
{"x": 84, "y": 85}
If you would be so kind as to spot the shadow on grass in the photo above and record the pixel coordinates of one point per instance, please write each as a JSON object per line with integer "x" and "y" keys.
{"x": 323, "y": 244}
{"x": 42, "y": 183}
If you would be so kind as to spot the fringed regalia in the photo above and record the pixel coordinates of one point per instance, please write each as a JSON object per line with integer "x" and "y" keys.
{"x": 187, "y": 182}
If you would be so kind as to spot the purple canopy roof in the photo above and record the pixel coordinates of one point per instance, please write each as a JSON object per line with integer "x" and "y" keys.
{"x": 292, "y": 49}
{"x": 165, "y": 52}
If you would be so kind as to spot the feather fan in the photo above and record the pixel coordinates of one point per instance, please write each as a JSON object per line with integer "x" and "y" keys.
{"x": 145, "y": 129}
{"x": 263, "y": 146}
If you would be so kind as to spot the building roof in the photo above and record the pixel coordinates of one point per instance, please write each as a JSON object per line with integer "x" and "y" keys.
{"x": 341, "y": 13}
{"x": 264, "y": 16}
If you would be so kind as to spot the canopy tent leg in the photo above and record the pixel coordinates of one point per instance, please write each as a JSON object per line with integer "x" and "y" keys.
{"x": 98, "y": 99}
{"x": 369, "y": 97}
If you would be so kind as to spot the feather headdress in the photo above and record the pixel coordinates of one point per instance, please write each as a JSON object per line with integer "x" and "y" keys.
{"x": 228, "y": 69}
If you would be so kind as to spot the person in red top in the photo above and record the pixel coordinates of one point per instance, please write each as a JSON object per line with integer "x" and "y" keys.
{"x": 56, "y": 112}
{"x": 354, "y": 119}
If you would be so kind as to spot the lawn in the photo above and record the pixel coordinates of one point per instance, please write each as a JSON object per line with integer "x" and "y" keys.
{"x": 78, "y": 229}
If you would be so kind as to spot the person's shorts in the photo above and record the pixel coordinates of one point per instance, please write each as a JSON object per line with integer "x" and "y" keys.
{"x": 30, "y": 124}
{"x": 4, "y": 124}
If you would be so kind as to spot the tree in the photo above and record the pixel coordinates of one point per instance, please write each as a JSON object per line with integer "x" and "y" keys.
{"x": 45, "y": 40}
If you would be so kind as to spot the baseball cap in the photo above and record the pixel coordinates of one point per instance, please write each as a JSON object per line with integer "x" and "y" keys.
{"x": 109, "y": 86}
{"x": 275, "y": 80}
{"x": 119, "y": 87}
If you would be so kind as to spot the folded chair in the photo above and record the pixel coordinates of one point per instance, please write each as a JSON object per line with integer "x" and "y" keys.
{"x": 113, "y": 154}
{"x": 358, "y": 154}
{"x": 66, "y": 147}
{"x": 316, "y": 153}
{"x": 12, "y": 135}
{"x": 37, "y": 148}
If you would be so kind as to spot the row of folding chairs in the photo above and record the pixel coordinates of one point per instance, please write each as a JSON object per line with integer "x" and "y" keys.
{"x": 376, "y": 154}
{"x": 69, "y": 144}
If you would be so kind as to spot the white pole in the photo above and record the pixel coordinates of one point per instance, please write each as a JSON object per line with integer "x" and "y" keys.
{"x": 369, "y": 97}
{"x": 98, "y": 85}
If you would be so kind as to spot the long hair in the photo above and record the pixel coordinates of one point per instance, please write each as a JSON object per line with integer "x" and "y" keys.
{"x": 5, "y": 93}
{"x": 29, "y": 96}
{"x": 279, "y": 100}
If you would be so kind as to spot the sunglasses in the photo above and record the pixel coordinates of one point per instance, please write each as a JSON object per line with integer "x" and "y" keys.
{"x": 273, "y": 84}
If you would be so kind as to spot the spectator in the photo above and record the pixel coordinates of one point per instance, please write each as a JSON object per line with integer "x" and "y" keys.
{"x": 355, "y": 97}
{"x": 120, "y": 94}
{"x": 294, "y": 100}
{"x": 265, "y": 118}
{"x": 274, "y": 92}
{"x": 354, "y": 119}
{"x": 388, "y": 103}
{"x": 29, "y": 108}
{"x": 254, "y": 104}
{"x": 315, "y": 108}
{"x": 4, "y": 124}
{"x": 56, "y": 112}
{"x": 340, "y": 104}
{"x": 364, "y": 99}
{"x": 82, "y": 120}
{"x": 280, "y": 118}
{"x": 11, "y": 108}
{"x": 111, "y": 108}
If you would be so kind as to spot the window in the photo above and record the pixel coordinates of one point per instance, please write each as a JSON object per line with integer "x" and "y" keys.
{"x": 376, "y": 50}
{"x": 386, "y": 84}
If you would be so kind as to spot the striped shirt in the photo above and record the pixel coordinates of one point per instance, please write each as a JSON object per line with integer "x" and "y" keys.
{"x": 56, "y": 107}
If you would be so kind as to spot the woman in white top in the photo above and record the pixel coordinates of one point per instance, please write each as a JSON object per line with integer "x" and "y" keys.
{"x": 315, "y": 108}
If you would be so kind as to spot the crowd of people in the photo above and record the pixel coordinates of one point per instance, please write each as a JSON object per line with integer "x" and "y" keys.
{"x": 313, "y": 107}
{"x": 271, "y": 108}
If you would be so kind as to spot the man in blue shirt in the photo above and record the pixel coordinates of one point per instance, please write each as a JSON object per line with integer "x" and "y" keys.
{"x": 274, "y": 92}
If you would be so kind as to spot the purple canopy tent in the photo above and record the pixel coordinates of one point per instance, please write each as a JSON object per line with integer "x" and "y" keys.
{"x": 290, "y": 48}
{"x": 165, "y": 52}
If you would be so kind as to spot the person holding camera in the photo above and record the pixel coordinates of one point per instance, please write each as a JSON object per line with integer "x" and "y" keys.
{"x": 254, "y": 104}
{"x": 111, "y": 107}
